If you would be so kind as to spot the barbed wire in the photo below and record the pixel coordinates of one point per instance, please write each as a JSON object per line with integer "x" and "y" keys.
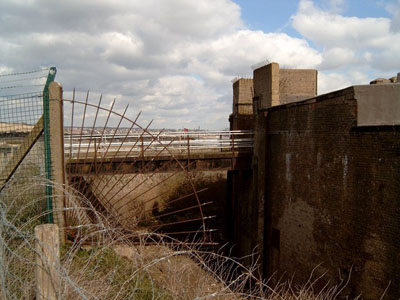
{"x": 24, "y": 73}
{"x": 20, "y": 86}
{"x": 29, "y": 95}
{"x": 102, "y": 261}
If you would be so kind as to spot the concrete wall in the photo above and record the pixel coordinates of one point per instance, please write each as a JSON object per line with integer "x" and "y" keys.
{"x": 277, "y": 86}
{"x": 378, "y": 104}
{"x": 242, "y": 110}
{"x": 240, "y": 219}
{"x": 270, "y": 86}
{"x": 266, "y": 85}
{"x": 296, "y": 85}
{"x": 243, "y": 96}
{"x": 333, "y": 195}
{"x": 324, "y": 184}
{"x": 240, "y": 215}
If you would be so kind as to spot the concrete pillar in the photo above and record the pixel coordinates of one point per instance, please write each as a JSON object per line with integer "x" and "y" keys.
{"x": 266, "y": 94}
{"x": 239, "y": 182}
{"x": 57, "y": 154}
{"x": 266, "y": 86}
{"x": 243, "y": 96}
{"x": 242, "y": 111}
{"x": 398, "y": 77}
{"x": 47, "y": 270}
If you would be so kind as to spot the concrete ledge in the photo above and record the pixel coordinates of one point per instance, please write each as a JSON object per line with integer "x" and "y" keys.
{"x": 378, "y": 105}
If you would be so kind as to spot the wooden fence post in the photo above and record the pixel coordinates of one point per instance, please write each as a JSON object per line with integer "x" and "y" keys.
{"x": 48, "y": 279}
{"x": 57, "y": 154}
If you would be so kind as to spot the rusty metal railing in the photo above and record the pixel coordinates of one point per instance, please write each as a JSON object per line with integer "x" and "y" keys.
{"x": 139, "y": 144}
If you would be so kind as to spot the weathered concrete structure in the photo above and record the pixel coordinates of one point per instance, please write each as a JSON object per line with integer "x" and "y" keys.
{"x": 324, "y": 184}
{"x": 242, "y": 111}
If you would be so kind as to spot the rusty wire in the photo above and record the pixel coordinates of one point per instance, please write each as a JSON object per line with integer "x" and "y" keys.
{"x": 110, "y": 195}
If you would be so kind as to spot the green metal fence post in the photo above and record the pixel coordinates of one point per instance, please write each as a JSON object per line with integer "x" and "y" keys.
{"x": 47, "y": 151}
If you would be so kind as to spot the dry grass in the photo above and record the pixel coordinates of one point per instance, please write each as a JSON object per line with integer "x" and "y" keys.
{"x": 105, "y": 262}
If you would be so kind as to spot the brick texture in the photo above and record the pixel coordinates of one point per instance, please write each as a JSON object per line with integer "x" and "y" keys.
{"x": 296, "y": 85}
{"x": 332, "y": 196}
{"x": 243, "y": 97}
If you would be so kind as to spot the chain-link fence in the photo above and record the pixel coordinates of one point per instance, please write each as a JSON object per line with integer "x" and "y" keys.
{"x": 22, "y": 142}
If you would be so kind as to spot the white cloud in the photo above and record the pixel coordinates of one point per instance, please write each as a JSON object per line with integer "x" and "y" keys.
{"x": 350, "y": 45}
{"x": 337, "y": 57}
{"x": 174, "y": 59}
{"x": 337, "y": 6}
{"x": 333, "y": 30}
{"x": 331, "y": 81}
{"x": 394, "y": 9}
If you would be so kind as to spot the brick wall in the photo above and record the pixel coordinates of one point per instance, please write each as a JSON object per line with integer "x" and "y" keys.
{"x": 240, "y": 214}
{"x": 332, "y": 195}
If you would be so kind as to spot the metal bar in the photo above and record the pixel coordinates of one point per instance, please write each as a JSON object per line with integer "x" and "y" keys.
{"x": 123, "y": 197}
{"x": 188, "y": 150}
{"x": 68, "y": 213}
{"x": 106, "y": 123}
{"x": 173, "y": 200}
{"x": 120, "y": 165}
{"x": 46, "y": 120}
{"x": 188, "y": 232}
{"x": 178, "y": 211}
{"x": 80, "y": 139}
{"x": 154, "y": 186}
{"x": 184, "y": 221}
{"x": 119, "y": 124}
{"x": 120, "y": 190}
{"x": 90, "y": 140}
{"x": 197, "y": 144}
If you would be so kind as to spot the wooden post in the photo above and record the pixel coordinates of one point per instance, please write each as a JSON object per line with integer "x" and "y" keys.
{"x": 57, "y": 154}
{"x": 48, "y": 279}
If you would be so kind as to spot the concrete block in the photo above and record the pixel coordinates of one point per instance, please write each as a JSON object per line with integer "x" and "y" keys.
{"x": 243, "y": 96}
{"x": 380, "y": 81}
{"x": 266, "y": 85}
{"x": 297, "y": 84}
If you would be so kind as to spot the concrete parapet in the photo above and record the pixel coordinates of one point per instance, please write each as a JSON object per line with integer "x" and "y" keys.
{"x": 377, "y": 105}
{"x": 243, "y": 96}
{"x": 297, "y": 84}
{"x": 271, "y": 86}
{"x": 380, "y": 81}
{"x": 274, "y": 86}
{"x": 266, "y": 86}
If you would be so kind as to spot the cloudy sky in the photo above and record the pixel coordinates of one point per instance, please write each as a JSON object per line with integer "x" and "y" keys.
{"x": 174, "y": 59}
